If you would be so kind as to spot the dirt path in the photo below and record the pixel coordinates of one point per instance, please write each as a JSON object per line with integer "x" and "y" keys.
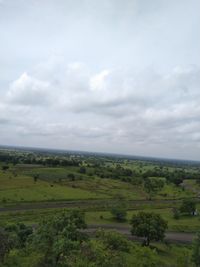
{"x": 81, "y": 203}
{"x": 175, "y": 237}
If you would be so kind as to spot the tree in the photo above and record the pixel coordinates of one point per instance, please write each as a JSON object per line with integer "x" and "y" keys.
{"x": 176, "y": 213}
{"x": 151, "y": 226}
{"x": 113, "y": 240}
{"x": 82, "y": 170}
{"x": 188, "y": 206}
{"x": 119, "y": 213}
{"x": 35, "y": 177}
{"x": 108, "y": 249}
{"x": 153, "y": 184}
{"x": 94, "y": 253}
{"x": 145, "y": 257}
{"x": 58, "y": 236}
{"x": 71, "y": 176}
{"x": 5, "y": 245}
{"x": 196, "y": 251}
{"x": 5, "y": 167}
{"x": 19, "y": 233}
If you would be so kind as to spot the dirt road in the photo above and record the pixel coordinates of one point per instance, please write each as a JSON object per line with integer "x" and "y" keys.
{"x": 174, "y": 237}
{"x": 82, "y": 203}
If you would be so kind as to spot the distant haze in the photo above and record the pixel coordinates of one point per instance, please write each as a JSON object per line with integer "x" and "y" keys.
{"x": 118, "y": 76}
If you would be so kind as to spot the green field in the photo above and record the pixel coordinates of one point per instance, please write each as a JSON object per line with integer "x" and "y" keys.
{"x": 23, "y": 189}
{"x": 53, "y": 185}
{"x": 104, "y": 217}
{"x": 184, "y": 224}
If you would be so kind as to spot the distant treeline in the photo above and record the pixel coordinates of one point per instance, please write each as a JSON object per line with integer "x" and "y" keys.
{"x": 98, "y": 166}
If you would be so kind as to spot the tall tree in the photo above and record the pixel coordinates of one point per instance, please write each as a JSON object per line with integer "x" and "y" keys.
{"x": 153, "y": 184}
{"x": 151, "y": 226}
{"x": 188, "y": 206}
{"x": 60, "y": 235}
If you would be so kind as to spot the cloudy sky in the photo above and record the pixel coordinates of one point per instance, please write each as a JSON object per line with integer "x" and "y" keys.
{"x": 118, "y": 76}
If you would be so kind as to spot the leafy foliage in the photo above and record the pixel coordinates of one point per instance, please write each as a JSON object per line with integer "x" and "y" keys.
{"x": 153, "y": 184}
{"x": 119, "y": 213}
{"x": 19, "y": 233}
{"x": 5, "y": 245}
{"x": 188, "y": 206}
{"x": 196, "y": 251}
{"x": 59, "y": 236}
{"x": 151, "y": 226}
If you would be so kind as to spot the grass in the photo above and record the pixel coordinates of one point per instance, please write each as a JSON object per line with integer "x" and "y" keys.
{"x": 109, "y": 187}
{"x": 172, "y": 191}
{"x": 50, "y": 173}
{"x": 23, "y": 189}
{"x": 17, "y": 185}
{"x": 104, "y": 217}
{"x": 184, "y": 224}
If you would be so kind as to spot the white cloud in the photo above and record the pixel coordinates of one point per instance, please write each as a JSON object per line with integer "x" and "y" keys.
{"x": 134, "y": 111}
{"x": 27, "y": 90}
{"x": 97, "y": 82}
{"x": 127, "y": 95}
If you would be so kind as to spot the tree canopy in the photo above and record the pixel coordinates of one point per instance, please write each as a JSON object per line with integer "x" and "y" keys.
{"x": 153, "y": 184}
{"x": 188, "y": 206}
{"x": 151, "y": 226}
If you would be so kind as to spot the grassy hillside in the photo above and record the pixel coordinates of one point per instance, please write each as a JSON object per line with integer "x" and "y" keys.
{"x": 23, "y": 189}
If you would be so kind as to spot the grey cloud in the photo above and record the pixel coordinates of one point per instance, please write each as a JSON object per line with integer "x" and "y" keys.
{"x": 4, "y": 121}
{"x": 101, "y": 75}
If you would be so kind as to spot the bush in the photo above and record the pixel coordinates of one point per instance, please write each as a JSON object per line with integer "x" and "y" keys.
{"x": 188, "y": 206}
{"x": 113, "y": 240}
{"x": 176, "y": 213}
{"x": 119, "y": 213}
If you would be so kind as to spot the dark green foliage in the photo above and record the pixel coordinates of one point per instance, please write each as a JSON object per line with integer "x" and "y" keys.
{"x": 113, "y": 240}
{"x": 5, "y": 167}
{"x": 82, "y": 170}
{"x": 153, "y": 184}
{"x": 188, "y": 206}
{"x": 177, "y": 181}
{"x": 35, "y": 177}
{"x": 119, "y": 213}
{"x": 5, "y": 245}
{"x": 196, "y": 251}
{"x": 94, "y": 253}
{"x": 151, "y": 226}
{"x": 176, "y": 213}
{"x": 19, "y": 233}
{"x": 145, "y": 257}
{"x": 57, "y": 237}
{"x": 71, "y": 176}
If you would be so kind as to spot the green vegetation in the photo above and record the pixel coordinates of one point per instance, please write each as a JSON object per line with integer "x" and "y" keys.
{"x": 151, "y": 226}
{"x": 142, "y": 196}
{"x": 152, "y": 185}
{"x": 119, "y": 213}
{"x": 62, "y": 241}
{"x": 196, "y": 251}
{"x": 25, "y": 189}
{"x": 188, "y": 206}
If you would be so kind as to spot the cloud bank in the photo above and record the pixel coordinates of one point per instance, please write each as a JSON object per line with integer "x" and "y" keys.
{"x": 113, "y": 75}
{"x": 117, "y": 110}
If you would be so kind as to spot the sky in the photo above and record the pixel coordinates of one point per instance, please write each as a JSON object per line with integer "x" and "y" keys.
{"x": 118, "y": 76}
